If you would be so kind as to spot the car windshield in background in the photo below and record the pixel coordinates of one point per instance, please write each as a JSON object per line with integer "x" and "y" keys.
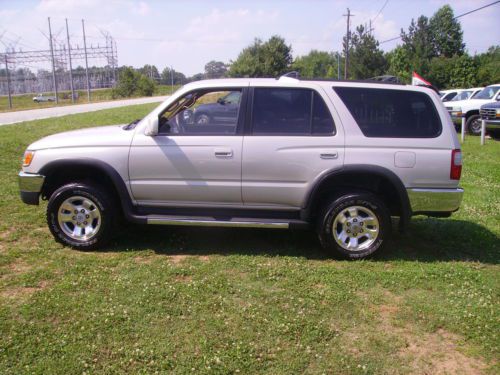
{"x": 462, "y": 96}
{"x": 487, "y": 92}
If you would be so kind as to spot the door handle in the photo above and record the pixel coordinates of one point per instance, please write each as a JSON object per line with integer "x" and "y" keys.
{"x": 223, "y": 153}
{"x": 329, "y": 155}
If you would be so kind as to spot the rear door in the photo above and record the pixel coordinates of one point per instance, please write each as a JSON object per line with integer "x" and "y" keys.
{"x": 293, "y": 137}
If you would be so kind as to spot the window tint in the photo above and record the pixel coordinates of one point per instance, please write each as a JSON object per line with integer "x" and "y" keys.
{"x": 322, "y": 118}
{"x": 204, "y": 112}
{"x": 391, "y": 113}
{"x": 290, "y": 111}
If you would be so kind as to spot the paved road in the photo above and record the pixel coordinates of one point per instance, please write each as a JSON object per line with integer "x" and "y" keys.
{"x": 36, "y": 114}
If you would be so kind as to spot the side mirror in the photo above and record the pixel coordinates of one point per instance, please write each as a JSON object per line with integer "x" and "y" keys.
{"x": 151, "y": 126}
{"x": 221, "y": 101}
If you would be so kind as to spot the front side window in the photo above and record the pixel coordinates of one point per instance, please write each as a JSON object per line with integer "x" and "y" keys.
{"x": 449, "y": 96}
{"x": 210, "y": 112}
{"x": 391, "y": 113}
{"x": 278, "y": 111}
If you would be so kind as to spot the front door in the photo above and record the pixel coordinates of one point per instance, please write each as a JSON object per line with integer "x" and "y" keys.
{"x": 189, "y": 162}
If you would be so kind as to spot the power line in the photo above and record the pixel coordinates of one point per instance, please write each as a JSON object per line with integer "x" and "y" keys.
{"x": 380, "y": 11}
{"x": 460, "y": 15}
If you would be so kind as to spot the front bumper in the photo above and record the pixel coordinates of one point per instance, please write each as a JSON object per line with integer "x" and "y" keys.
{"x": 30, "y": 186}
{"x": 492, "y": 124}
{"x": 434, "y": 201}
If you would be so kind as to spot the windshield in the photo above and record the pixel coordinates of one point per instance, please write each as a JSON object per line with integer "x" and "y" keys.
{"x": 487, "y": 92}
{"x": 462, "y": 96}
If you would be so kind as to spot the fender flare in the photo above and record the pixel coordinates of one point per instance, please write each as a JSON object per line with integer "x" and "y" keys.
{"x": 108, "y": 170}
{"x": 404, "y": 201}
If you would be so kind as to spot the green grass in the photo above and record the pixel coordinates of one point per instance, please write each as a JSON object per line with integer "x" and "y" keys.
{"x": 192, "y": 300}
{"x": 25, "y": 101}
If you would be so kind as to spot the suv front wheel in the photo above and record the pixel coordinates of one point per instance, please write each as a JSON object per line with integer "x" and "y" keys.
{"x": 354, "y": 225}
{"x": 81, "y": 216}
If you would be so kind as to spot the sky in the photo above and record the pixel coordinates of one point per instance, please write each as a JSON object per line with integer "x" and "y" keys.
{"x": 187, "y": 34}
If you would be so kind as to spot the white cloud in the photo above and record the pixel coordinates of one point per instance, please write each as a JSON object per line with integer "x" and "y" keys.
{"x": 142, "y": 8}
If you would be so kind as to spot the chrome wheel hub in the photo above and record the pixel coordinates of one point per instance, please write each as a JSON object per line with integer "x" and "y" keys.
{"x": 355, "y": 228}
{"x": 79, "y": 218}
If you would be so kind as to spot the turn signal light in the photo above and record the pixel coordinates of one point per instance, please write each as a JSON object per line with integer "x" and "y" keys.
{"x": 28, "y": 158}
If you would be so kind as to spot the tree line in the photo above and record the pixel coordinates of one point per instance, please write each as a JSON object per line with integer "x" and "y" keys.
{"x": 433, "y": 47}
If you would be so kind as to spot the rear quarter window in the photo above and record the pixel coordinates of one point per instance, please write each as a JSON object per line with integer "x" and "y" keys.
{"x": 387, "y": 113}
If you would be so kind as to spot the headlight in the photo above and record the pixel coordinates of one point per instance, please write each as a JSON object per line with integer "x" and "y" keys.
{"x": 28, "y": 158}
{"x": 498, "y": 113}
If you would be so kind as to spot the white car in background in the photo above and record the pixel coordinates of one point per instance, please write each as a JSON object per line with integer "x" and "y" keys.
{"x": 467, "y": 94}
{"x": 447, "y": 95}
{"x": 470, "y": 108}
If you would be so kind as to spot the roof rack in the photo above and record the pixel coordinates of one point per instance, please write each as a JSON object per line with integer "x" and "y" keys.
{"x": 390, "y": 80}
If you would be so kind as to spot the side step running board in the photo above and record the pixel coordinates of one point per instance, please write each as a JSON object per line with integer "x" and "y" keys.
{"x": 229, "y": 222}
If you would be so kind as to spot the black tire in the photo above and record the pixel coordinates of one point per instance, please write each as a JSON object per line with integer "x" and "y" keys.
{"x": 105, "y": 225}
{"x": 336, "y": 208}
{"x": 495, "y": 134}
{"x": 473, "y": 125}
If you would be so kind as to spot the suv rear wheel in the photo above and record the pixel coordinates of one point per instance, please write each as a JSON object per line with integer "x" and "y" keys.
{"x": 81, "y": 216}
{"x": 354, "y": 225}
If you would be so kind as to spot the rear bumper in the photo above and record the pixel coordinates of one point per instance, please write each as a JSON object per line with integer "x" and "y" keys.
{"x": 30, "y": 186}
{"x": 434, "y": 201}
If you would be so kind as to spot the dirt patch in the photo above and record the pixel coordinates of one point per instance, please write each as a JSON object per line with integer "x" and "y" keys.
{"x": 183, "y": 278}
{"x": 143, "y": 260}
{"x": 23, "y": 293}
{"x": 179, "y": 258}
{"x": 426, "y": 353}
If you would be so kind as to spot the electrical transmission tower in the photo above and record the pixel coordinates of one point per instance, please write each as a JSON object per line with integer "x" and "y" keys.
{"x": 61, "y": 55}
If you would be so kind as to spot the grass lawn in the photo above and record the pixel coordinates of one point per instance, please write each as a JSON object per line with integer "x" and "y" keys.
{"x": 200, "y": 300}
{"x": 25, "y": 101}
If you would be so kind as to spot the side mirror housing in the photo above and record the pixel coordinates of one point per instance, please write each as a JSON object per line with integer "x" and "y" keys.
{"x": 151, "y": 126}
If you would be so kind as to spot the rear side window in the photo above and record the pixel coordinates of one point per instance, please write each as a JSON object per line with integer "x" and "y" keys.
{"x": 391, "y": 113}
{"x": 278, "y": 111}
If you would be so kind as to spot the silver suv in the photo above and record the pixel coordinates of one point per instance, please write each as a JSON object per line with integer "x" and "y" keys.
{"x": 340, "y": 157}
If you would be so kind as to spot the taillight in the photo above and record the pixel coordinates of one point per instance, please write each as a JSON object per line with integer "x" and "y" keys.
{"x": 456, "y": 164}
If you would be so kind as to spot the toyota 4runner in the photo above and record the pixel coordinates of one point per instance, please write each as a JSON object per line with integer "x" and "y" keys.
{"x": 339, "y": 157}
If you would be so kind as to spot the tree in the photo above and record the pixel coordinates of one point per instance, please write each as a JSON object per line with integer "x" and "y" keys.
{"x": 488, "y": 66}
{"x": 418, "y": 44}
{"x": 366, "y": 59}
{"x": 133, "y": 83}
{"x": 399, "y": 64}
{"x": 166, "y": 77}
{"x": 150, "y": 71}
{"x": 261, "y": 59}
{"x": 464, "y": 72}
{"x": 215, "y": 69}
{"x": 440, "y": 72}
{"x": 446, "y": 33}
{"x": 316, "y": 64}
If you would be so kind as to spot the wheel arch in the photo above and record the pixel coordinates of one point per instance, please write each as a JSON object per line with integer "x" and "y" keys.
{"x": 371, "y": 178}
{"x": 59, "y": 172}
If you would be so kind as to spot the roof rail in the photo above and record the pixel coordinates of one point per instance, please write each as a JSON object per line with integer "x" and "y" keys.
{"x": 294, "y": 75}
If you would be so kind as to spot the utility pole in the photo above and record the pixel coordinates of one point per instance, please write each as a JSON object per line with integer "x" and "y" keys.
{"x": 86, "y": 60}
{"x": 8, "y": 80}
{"x": 348, "y": 37}
{"x": 70, "y": 65}
{"x": 53, "y": 63}
{"x": 371, "y": 28}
